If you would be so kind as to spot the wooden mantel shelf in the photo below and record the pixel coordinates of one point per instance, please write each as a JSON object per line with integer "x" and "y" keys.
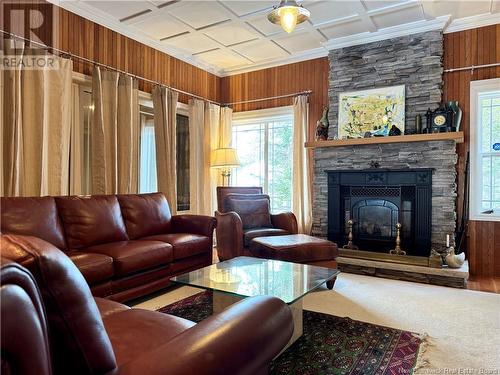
{"x": 458, "y": 137}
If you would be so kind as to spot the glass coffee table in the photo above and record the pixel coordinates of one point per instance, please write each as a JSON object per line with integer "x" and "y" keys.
{"x": 242, "y": 277}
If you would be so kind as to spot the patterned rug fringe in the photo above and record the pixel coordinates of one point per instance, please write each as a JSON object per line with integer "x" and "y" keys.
{"x": 422, "y": 358}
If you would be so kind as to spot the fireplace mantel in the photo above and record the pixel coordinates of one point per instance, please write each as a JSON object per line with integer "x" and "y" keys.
{"x": 458, "y": 137}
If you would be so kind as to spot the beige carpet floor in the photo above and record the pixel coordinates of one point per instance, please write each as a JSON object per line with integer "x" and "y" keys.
{"x": 463, "y": 326}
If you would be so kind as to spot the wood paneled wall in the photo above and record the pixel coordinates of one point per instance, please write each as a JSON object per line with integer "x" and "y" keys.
{"x": 87, "y": 39}
{"x": 466, "y": 48}
{"x": 280, "y": 80}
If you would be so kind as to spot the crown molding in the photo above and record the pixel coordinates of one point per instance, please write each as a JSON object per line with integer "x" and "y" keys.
{"x": 102, "y": 19}
{"x": 473, "y": 22}
{"x": 438, "y": 23}
{"x": 294, "y": 58}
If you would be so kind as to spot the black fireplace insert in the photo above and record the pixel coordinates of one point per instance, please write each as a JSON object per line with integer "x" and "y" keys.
{"x": 376, "y": 200}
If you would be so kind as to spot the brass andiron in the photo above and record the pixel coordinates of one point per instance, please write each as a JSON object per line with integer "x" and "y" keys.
{"x": 397, "y": 250}
{"x": 350, "y": 245}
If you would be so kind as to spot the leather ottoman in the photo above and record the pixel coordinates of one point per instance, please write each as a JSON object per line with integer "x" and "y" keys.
{"x": 297, "y": 248}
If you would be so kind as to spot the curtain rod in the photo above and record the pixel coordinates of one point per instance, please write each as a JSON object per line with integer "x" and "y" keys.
{"x": 307, "y": 92}
{"x": 472, "y": 67}
{"x": 77, "y": 57}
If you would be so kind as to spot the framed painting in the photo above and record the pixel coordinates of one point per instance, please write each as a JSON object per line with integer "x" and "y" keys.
{"x": 372, "y": 113}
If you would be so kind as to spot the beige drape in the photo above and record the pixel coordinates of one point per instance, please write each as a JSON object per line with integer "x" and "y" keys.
{"x": 36, "y": 124}
{"x": 199, "y": 162}
{"x": 76, "y": 177}
{"x": 165, "y": 105}
{"x": 114, "y": 133}
{"x": 301, "y": 195}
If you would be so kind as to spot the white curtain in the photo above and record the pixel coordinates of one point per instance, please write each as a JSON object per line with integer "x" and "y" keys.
{"x": 36, "y": 122}
{"x": 212, "y": 123}
{"x": 165, "y": 106}
{"x": 301, "y": 194}
{"x": 114, "y": 133}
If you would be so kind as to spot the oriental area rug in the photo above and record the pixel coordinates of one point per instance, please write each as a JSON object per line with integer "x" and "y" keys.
{"x": 330, "y": 345}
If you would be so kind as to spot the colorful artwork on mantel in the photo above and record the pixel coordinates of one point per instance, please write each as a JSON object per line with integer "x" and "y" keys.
{"x": 372, "y": 113}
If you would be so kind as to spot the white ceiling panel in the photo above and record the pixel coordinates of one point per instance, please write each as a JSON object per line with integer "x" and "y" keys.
{"x": 231, "y": 36}
{"x": 192, "y": 43}
{"x": 462, "y": 9}
{"x": 120, "y": 9}
{"x": 260, "y": 50}
{"x": 298, "y": 42}
{"x": 380, "y": 4}
{"x": 199, "y": 14}
{"x": 326, "y": 11}
{"x": 161, "y": 26}
{"x": 231, "y": 33}
{"x": 344, "y": 29}
{"x": 398, "y": 17}
{"x": 242, "y": 8}
{"x": 223, "y": 58}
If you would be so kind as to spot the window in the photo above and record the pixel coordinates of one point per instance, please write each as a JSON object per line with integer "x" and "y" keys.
{"x": 485, "y": 150}
{"x": 147, "y": 167}
{"x": 263, "y": 140}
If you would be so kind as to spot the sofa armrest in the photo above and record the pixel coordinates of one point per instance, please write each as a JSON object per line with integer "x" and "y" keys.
{"x": 286, "y": 221}
{"x": 196, "y": 224}
{"x": 229, "y": 235}
{"x": 242, "y": 339}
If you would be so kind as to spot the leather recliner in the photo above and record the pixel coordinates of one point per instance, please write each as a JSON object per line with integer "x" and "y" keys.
{"x": 243, "y": 214}
{"x": 126, "y": 246}
{"x": 80, "y": 334}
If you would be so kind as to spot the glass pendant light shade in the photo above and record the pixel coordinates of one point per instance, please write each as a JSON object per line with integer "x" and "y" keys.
{"x": 288, "y": 14}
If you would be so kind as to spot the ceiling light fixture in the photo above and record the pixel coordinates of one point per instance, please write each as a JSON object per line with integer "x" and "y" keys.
{"x": 288, "y": 14}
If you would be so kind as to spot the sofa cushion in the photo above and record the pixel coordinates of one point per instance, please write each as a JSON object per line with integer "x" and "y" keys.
{"x": 91, "y": 220}
{"x": 184, "y": 244}
{"x": 36, "y": 216}
{"x": 254, "y": 210}
{"x": 145, "y": 214}
{"x": 134, "y": 256}
{"x": 134, "y": 332}
{"x": 94, "y": 267}
{"x": 250, "y": 234}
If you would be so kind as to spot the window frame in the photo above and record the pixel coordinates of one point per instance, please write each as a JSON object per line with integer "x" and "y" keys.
{"x": 476, "y": 187}
{"x": 263, "y": 115}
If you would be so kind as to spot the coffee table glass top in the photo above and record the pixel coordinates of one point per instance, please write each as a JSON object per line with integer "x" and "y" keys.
{"x": 248, "y": 277}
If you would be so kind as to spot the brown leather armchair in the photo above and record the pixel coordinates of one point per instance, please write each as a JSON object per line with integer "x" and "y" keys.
{"x": 237, "y": 227}
{"x": 80, "y": 334}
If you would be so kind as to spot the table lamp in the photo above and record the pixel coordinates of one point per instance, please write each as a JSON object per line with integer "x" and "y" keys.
{"x": 225, "y": 159}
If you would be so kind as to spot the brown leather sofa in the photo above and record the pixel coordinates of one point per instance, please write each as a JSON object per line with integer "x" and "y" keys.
{"x": 126, "y": 246}
{"x": 51, "y": 324}
{"x": 243, "y": 213}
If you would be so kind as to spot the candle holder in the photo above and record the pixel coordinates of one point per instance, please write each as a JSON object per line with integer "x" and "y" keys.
{"x": 350, "y": 245}
{"x": 397, "y": 250}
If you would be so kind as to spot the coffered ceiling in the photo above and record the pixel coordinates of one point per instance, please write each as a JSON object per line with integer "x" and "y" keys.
{"x": 232, "y": 36}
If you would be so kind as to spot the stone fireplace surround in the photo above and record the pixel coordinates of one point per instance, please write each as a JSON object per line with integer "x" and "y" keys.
{"x": 416, "y": 62}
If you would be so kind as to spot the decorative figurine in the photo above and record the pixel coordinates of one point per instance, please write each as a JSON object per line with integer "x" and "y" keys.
{"x": 322, "y": 126}
{"x": 350, "y": 245}
{"x": 451, "y": 259}
{"x": 394, "y": 131}
{"x": 457, "y": 113}
{"x": 397, "y": 250}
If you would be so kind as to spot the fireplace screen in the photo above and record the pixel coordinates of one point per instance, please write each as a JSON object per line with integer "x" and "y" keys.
{"x": 375, "y": 218}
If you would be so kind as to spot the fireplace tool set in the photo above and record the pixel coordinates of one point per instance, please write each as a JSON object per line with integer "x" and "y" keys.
{"x": 396, "y": 251}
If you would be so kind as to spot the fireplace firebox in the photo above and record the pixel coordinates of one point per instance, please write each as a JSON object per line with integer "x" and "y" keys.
{"x": 376, "y": 200}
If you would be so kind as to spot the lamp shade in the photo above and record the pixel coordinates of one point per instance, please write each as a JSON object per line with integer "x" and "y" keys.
{"x": 225, "y": 158}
